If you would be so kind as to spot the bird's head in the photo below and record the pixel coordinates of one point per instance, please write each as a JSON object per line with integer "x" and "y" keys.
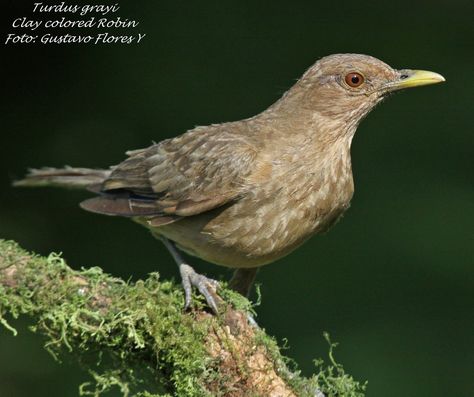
{"x": 345, "y": 87}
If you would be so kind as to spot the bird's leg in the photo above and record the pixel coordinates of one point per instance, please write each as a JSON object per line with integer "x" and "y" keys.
{"x": 242, "y": 280}
{"x": 189, "y": 278}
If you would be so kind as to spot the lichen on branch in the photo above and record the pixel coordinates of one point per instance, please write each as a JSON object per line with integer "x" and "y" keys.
{"x": 136, "y": 337}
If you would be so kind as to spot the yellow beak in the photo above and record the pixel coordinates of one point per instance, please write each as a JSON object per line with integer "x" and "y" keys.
{"x": 414, "y": 78}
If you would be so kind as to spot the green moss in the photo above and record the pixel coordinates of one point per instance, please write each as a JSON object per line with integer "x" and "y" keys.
{"x": 237, "y": 301}
{"x": 134, "y": 336}
{"x": 144, "y": 324}
{"x": 333, "y": 380}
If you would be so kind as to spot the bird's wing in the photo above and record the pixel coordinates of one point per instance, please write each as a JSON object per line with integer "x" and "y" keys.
{"x": 200, "y": 170}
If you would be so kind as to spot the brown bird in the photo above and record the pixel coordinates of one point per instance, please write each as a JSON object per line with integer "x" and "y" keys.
{"x": 244, "y": 194}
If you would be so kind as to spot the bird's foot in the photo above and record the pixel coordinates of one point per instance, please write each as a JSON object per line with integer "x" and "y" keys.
{"x": 206, "y": 286}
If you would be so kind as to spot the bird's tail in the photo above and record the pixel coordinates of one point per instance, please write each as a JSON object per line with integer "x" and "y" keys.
{"x": 68, "y": 177}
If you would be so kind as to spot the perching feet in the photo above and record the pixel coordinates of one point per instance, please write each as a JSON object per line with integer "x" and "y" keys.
{"x": 189, "y": 278}
{"x": 206, "y": 286}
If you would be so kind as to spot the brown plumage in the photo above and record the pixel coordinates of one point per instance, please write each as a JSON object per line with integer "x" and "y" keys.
{"x": 243, "y": 194}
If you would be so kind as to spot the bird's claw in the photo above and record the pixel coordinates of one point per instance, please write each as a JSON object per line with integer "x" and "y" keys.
{"x": 206, "y": 286}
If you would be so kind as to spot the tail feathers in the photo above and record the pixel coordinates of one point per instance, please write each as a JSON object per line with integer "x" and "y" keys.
{"x": 68, "y": 177}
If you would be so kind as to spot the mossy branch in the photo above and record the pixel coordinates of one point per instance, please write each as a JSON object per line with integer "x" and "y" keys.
{"x": 136, "y": 336}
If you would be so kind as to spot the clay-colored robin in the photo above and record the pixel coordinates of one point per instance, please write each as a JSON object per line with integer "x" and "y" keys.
{"x": 244, "y": 194}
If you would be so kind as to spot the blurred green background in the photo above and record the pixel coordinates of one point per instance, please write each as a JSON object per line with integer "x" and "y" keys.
{"x": 392, "y": 282}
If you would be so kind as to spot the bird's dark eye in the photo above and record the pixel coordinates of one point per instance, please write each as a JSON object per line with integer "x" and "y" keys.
{"x": 354, "y": 79}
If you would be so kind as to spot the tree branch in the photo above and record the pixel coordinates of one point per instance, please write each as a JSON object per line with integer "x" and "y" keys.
{"x": 137, "y": 337}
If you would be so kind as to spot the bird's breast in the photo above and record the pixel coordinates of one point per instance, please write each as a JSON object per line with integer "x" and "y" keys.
{"x": 276, "y": 217}
{"x": 292, "y": 199}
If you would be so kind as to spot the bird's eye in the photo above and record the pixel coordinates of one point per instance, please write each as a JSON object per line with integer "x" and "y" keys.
{"x": 354, "y": 79}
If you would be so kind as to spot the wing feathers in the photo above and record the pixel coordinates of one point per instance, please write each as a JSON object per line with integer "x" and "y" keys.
{"x": 190, "y": 207}
{"x": 121, "y": 206}
{"x": 202, "y": 169}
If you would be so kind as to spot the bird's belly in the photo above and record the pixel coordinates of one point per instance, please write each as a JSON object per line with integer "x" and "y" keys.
{"x": 249, "y": 235}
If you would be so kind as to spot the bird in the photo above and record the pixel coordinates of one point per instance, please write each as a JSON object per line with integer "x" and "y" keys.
{"x": 246, "y": 193}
